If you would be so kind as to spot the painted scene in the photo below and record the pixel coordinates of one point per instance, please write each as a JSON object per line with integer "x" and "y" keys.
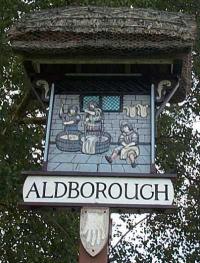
{"x": 93, "y": 133}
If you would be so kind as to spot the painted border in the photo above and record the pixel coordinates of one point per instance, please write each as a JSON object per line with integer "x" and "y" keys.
{"x": 48, "y": 128}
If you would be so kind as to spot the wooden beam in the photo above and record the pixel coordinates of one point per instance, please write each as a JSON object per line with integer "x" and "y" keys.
{"x": 103, "y": 75}
{"x": 100, "y": 60}
{"x": 98, "y": 174}
{"x": 36, "y": 67}
{"x": 127, "y": 69}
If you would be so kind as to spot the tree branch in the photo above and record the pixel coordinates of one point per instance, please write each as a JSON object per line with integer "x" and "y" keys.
{"x": 128, "y": 231}
{"x": 18, "y": 110}
{"x": 34, "y": 120}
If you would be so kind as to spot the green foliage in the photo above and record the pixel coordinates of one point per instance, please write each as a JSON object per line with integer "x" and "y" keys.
{"x": 46, "y": 236}
{"x": 27, "y": 236}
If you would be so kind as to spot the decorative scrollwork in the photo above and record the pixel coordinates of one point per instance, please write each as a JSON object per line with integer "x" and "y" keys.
{"x": 163, "y": 85}
{"x": 41, "y": 83}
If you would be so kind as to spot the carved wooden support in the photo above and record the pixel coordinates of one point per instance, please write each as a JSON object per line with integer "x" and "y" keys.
{"x": 43, "y": 84}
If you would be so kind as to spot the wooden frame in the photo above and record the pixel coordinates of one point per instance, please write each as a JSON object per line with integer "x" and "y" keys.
{"x": 130, "y": 175}
{"x": 114, "y": 207}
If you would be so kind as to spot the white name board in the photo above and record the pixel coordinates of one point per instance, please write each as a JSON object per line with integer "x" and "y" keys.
{"x": 98, "y": 190}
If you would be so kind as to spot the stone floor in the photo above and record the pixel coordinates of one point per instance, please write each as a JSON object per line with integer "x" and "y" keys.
{"x": 79, "y": 162}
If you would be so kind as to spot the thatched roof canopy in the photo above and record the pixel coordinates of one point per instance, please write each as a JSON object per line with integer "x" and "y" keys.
{"x": 102, "y": 32}
{"x": 133, "y": 31}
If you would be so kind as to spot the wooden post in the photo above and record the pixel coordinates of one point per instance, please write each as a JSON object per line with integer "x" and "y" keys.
{"x": 84, "y": 257}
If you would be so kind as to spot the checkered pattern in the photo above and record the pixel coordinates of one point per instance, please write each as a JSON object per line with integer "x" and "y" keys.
{"x": 88, "y": 99}
{"x": 111, "y": 103}
{"x": 106, "y": 103}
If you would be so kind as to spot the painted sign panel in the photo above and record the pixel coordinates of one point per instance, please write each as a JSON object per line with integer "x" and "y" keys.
{"x": 100, "y": 133}
{"x": 124, "y": 191}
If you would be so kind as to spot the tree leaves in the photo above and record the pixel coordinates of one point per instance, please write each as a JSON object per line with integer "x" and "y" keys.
{"x": 28, "y": 236}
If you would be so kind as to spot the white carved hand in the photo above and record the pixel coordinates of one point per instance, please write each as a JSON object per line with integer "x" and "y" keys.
{"x": 94, "y": 228}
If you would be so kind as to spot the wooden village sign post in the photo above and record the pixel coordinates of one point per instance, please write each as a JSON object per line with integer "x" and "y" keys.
{"x": 106, "y": 74}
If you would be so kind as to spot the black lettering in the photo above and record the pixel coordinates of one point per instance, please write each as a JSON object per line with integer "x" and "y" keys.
{"x": 161, "y": 192}
{"x": 82, "y": 192}
{"x": 142, "y": 194}
{"x": 135, "y": 195}
{"x": 101, "y": 190}
{"x": 110, "y": 191}
{"x": 33, "y": 190}
{"x": 75, "y": 189}
{"x": 44, "y": 191}
{"x": 57, "y": 189}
